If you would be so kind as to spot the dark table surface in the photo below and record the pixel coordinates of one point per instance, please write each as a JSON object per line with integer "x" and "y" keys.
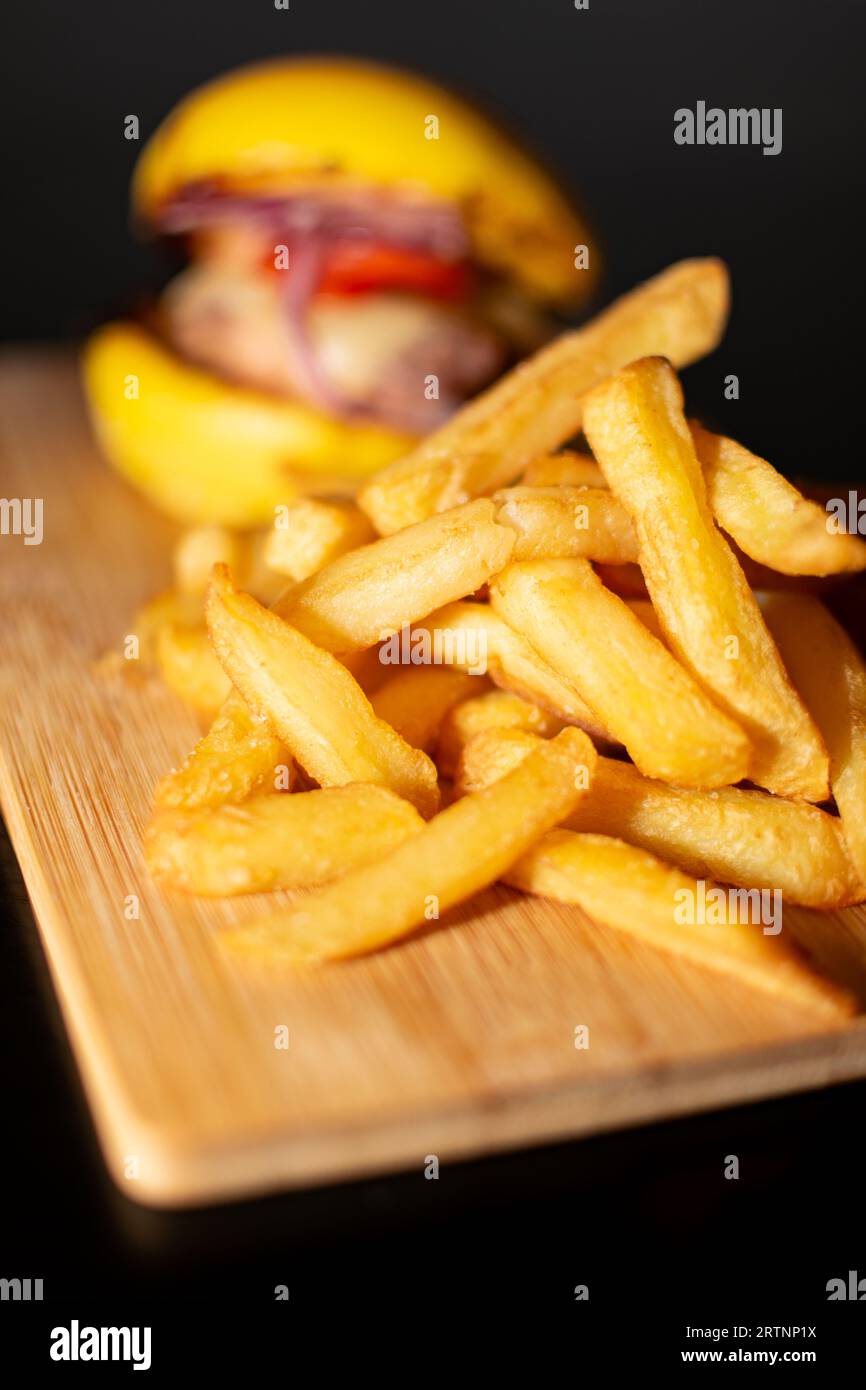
{"x": 645, "y": 1218}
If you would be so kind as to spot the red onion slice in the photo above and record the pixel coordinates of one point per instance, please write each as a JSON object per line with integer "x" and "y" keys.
{"x": 308, "y": 225}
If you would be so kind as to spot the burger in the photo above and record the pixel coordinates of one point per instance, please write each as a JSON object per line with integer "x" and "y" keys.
{"x": 364, "y": 251}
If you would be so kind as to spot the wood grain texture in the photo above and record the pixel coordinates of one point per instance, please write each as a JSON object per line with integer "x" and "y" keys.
{"x": 457, "y": 1042}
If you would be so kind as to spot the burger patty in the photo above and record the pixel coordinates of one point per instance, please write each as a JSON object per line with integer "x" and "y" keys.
{"x": 401, "y": 359}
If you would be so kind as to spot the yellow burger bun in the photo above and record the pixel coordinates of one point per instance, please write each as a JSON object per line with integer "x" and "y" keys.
{"x": 289, "y": 125}
{"x": 204, "y": 450}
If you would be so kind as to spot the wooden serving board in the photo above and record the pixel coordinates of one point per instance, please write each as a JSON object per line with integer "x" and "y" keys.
{"x": 457, "y": 1042}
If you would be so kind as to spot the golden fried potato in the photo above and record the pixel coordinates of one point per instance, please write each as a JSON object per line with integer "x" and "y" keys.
{"x": 830, "y": 674}
{"x": 639, "y": 435}
{"x": 537, "y": 406}
{"x": 311, "y": 701}
{"x": 198, "y": 550}
{"x": 415, "y": 700}
{"x": 462, "y": 850}
{"x": 169, "y": 609}
{"x": 748, "y": 838}
{"x": 637, "y": 690}
{"x": 277, "y": 841}
{"x": 362, "y": 597}
{"x": 188, "y": 666}
{"x": 768, "y": 518}
{"x": 496, "y": 709}
{"x": 237, "y": 756}
{"x": 311, "y": 532}
{"x": 566, "y": 469}
{"x": 632, "y": 891}
{"x": 488, "y": 753}
{"x": 554, "y": 522}
{"x": 475, "y": 639}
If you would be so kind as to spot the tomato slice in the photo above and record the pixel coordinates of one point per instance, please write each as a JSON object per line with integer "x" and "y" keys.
{"x": 361, "y": 266}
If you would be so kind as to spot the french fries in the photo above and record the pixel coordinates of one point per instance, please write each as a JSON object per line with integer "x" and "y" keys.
{"x": 462, "y": 850}
{"x": 196, "y": 553}
{"x": 188, "y": 666}
{"x": 311, "y": 533}
{"x": 768, "y": 518}
{"x": 635, "y": 687}
{"x": 276, "y": 841}
{"x": 598, "y": 593}
{"x": 748, "y": 838}
{"x": 167, "y": 609}
{"x": 310, "y": 701}
{"x": 680, "y": 314}
{"x": 639, "y": 435}
{"x": 361, "y": 597}
{"x": 473, "y": 637}
{"x": 237, "y": 756}
{"x": 566, "y": 469}
{"x": 830, "y": 674}
{"x": 557, "y": 522}
{"x": 348, "y": 607}
{"x": 496, "y": 709}
{"x": 417, "y": 699}
{"x": 632, "y": 891}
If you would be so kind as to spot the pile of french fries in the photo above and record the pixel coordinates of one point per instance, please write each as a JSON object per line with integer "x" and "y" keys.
{"x": 510, "y": 661}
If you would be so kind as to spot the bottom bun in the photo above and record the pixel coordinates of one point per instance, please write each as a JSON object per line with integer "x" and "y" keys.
{"x": 204, "y": 450}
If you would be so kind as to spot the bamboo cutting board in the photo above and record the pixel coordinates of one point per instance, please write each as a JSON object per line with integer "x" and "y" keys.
{"x": 458, "y": 1042}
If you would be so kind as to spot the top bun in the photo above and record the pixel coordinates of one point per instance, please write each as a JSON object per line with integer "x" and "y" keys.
{"x": 337, "y": 123}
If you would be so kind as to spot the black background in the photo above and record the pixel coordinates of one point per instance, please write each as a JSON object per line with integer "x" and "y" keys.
{"x": 594, "y": 90}
{"x": 647, "y": 1218}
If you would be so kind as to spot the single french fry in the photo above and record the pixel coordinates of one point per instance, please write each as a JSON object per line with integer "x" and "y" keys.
{"x": 553, "y": 522}
{"x": 830, "y": 674}
{"x": 237, "y": 756}
{"x": 198, "y": 550}
{"x": 637, "y": 690}
{"x": 748, "y": 838}
{"x": 256, "y": 576}
{"x": 311, "y": 532}
{"x": 170, "y": 608}
{"x": 311, "y": 701}
{"x": 639, "y": 435}
{"x": 462, "y": 850}
{"x": 476, "y": 639}
{"x": 537, "y": 406}
{"x": 375, "y": 590}
{"x": 566, "y": 469}
{"x": 632, "y": 891}
{"x": 188, "y": 666}
{"x": 416, "y": 699}
{"x": 768, "y": 518}
{"x": 277, "y": 841}
{"x": 496, "y": 709}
